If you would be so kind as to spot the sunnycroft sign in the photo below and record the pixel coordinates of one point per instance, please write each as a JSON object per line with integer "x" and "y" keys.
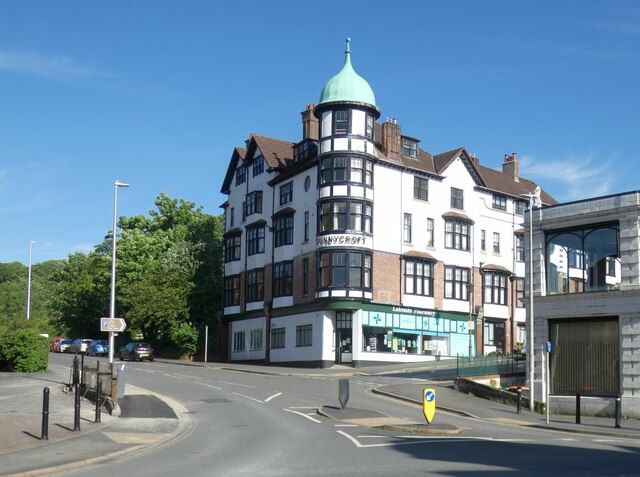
{"x": 342, "y": 239}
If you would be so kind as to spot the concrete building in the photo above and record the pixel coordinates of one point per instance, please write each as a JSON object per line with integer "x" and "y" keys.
{"x": 356, "y": 245}
{"x": 586, "y": 259}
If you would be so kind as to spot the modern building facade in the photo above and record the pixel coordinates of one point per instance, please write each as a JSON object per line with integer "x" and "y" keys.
{"x": 356, "y": 245}
{"x": 586, "y": 258}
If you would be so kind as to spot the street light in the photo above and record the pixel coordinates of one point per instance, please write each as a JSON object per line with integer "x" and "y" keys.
{"x": 534, "y": 201}
{"x": 31, "y": 242}
{"x": 112, "y": 312}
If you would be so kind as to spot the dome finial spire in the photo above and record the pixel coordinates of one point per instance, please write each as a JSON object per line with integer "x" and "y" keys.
{"x": 347, "y": 58}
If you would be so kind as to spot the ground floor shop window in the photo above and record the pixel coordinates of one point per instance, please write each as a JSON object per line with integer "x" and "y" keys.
{"x": 402, "y": 330}
{"x": 238, "y": 341}
{"x": 256, "y": 340}
{"x": 304, "y": 335}
{"x": 277, "y": 338}
{"x": 384, "y": 340}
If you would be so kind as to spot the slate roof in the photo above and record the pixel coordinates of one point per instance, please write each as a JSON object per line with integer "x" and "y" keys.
{"x": 278, "y": 156}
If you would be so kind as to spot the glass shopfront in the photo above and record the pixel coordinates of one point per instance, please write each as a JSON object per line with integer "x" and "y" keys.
{"x": 408, "y": 331}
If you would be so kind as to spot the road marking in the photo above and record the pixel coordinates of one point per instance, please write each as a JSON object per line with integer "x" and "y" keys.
{"x": 272, "y": 397}
{"x": 192, "y": 377}
{"x": 345, "y": 425}
{"x": 209, "y": 385}
{"x": 304, "y": 415}
{"x": 249, "y": 397}
{"x": 411, "y": 440}
{"x": 237, "y": 384}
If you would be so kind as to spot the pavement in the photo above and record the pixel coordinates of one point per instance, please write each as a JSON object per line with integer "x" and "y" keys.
{"x": 149, "y": 421}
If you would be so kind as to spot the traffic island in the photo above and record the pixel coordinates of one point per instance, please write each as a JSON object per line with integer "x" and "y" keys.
{"x": 378, "y": 420}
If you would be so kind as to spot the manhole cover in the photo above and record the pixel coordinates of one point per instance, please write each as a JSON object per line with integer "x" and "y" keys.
{"x": 215, "y": 400}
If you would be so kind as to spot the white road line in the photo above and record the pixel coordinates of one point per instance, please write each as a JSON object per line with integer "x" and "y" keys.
{"x": 303, "y": 407}
{"x": 411, "y": 440}
{"x": 607, "y": 440}
{"x": 208, "y": 385}
{"x": 345, "y": 425}
{"x": 304, "y": 415}
{"x": 249, "y": 397}
{"x": 272, "y": 397}
{"x": 192, "y": 377}
{"x": 237, "y": 384}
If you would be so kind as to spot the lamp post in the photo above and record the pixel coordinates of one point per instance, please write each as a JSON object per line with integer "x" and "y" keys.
{"x": 112, "y": 312}
{"x": 31, "y": 242}
{"x": 534, "y": 201}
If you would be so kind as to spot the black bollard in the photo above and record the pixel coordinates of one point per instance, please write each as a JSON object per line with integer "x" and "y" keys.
{"x": 519, "y": 401}
{"x": 618, "y": 411}
{"x": 98, "y": 399}
{"x": 578, "y": 408}
{"x": 76, "y": 413}
{"x": 82, "y": 370}
{"x": 45, "y": 415}
{"x": 76, "y": 375}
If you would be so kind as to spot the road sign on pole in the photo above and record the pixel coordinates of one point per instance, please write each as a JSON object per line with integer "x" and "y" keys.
{"x": 429, "y": 404}
{"x": 112, "y": 324}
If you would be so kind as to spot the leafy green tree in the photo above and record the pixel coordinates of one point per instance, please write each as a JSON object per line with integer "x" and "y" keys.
{"x": 82, "y": 295}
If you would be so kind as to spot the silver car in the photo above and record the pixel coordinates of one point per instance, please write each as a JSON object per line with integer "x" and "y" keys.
{"x": 79, "y": 345}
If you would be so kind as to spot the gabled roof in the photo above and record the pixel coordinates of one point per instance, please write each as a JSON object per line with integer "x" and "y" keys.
{"x": 238, "y": 155}
{"x": 277, "y": 153}
{"x": 500, "y": 182}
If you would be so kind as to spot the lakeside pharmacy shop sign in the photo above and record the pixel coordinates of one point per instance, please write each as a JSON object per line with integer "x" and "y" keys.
{"x": 410, "y": 331}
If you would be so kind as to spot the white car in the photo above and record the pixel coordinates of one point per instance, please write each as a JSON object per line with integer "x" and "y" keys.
{"x": 79, "y": 345}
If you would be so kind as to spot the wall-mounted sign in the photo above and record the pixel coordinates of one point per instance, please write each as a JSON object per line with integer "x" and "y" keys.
{"x": 341, "y": 240}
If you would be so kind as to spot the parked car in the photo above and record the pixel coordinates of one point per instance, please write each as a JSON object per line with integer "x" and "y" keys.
{"x": 98, "y": 348}
{"x": 54, "y": 345}
{"x": 79, "y": 345}
{"x": 63, "y": 346}
{"x": 140, "y": 351}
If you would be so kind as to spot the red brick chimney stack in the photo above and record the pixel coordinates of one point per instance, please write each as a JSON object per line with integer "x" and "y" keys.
{"x": 310, "y": 124}
{"x": 511, "y": 166}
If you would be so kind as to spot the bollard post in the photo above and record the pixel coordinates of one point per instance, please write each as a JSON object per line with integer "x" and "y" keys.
{"x": 98, "y": 399}
{"x": 76, "y": 377}
{"x": 519, "y": 401}
{"x": 45, "y": 415}
{"x": 76, "y": 409}
{"x": 578, "y": 408}
{"x": 618, "y": 411}
{"x": 82, "y": 370}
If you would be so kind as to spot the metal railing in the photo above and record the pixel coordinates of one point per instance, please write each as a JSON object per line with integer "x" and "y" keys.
{"x": 485, "y": 365}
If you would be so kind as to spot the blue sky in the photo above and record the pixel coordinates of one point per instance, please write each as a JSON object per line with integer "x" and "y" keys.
{"x": 158, "y": 93}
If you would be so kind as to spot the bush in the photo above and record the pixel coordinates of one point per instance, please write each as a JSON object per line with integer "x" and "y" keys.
{"x": 24, "y": 351}
{"x": 185, "y": 338}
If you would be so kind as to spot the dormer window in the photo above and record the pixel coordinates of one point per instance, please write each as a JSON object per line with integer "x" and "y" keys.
{"x": 241, "y": 175}
{"x": 258, "y": 165}
{"x": 409, "y": 147}
{"x": 499, "y": 202}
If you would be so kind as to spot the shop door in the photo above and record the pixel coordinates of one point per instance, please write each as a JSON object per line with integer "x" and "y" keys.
{"x": 344, "y": 335}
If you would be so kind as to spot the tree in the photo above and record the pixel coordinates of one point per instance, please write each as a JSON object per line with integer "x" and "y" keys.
{"x": 170, "y": 267}
{"x": 82, "y": 295}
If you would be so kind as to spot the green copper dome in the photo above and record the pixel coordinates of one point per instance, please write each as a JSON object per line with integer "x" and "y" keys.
{"x": 347, "y": 85}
